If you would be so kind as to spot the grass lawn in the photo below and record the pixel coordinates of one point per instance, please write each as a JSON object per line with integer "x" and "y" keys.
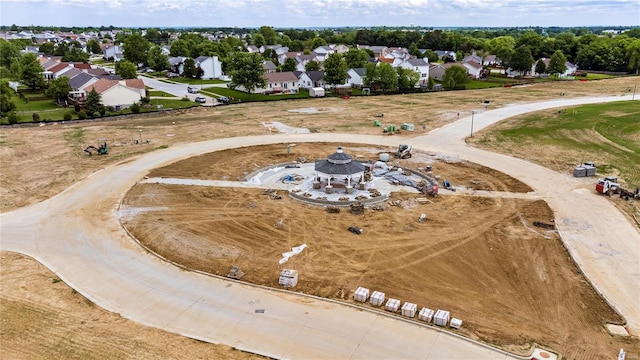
{"x": 159, "y": 93}
{"x": 591, "y": 76}
{"x": 197, "y": 82}
{"x": 608, "y": 134}
{"x": 173, "y": 103}
{"x": 242, "y": 96}
{"x": 34, "y": 105}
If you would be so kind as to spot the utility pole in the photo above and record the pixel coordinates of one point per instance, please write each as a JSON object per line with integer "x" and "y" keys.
{"x": 633, "y": 97}
{"x": 472, "y": 113}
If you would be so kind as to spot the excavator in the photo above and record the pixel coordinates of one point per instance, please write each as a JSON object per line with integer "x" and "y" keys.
{"x": 103, "y": 149}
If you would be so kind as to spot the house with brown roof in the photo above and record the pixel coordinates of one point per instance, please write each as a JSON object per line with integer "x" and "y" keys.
{"x": 115, "y": 93}
{"x": 279, "y": 82}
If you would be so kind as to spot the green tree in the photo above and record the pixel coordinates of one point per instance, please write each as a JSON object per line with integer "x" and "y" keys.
{"x": 152, "y": 35}
{"x": 356, "y": 58}
{"x": 189, "y": 70}
{"x": 522, "y": 60}
{"x": 633, "y": 56}
{"x": 454, "y": 77}
{"x": 246, "y": 70}
{"x": 502, "y": 47}
{"x": 431, "y": 55}
{"x": 541, "y": 68}
{"x": 157, "y": 60}
{"x": 557, "y": 63}
{"x": 430, "y": 83}
{"x": 94, "y": 46}
{"x": 75, "y": 54}
{"x": 47, "y": 48}
{"x": 312, "y": 65}
{"x": 269, "y": 34}
{"x": 407, "y": 79}
{"x": 413, "y": 50}
{"x": 135, "y": 49}
{"x": 296, "y": 45}
{"x": 258, "y": 40}
{"x": 8, "y": 53}
{"x": 388, "y": 77}
{"x": 6, "y": 105}
{"x": 179, "y": 48}
{"x": 289, "y": 64}
{"x": 31, "y": 71}
{"x": 94, "y": 103}
{"x": 316, "y": 42}
{"x": 126, "y": 69}
{"x": 335, "y": 69}
{"x": 372, "y": 75}
{"x": 59, "y": 88}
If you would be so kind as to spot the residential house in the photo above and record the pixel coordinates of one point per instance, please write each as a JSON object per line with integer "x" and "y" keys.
{"x": 279, "y": 82}
{"x": 113, "y": 53}
{"x": 78, "y": 83}
{"x": 303, "y": 59}
{"x": 211, "y": 67}
{"x": 398, "y": 54}
{"x": 56, "y": 71}
{"x": 436, "y": 71}
{"x": 317, "y": 78}
{"x": 114, "y": 93}
{"x": 420, "y": 66}
{"x": 269, "y": 66}
{"x": 355, "y": 77}
{"x": 304, "y": 81}
{"x": 252, "y": 49}
{"x": 571, "y": 68}
{"x": 474, "y": 69}
{"x": 165, "y": 50}
{"x": 491, "y": 60}
{"x": 176, "y": 64}
{"x": 71, "y": 73}
{"x": 136, "y": 84}
{"x": 323, "y": 52}
{"x": 473, "y": 57}
{"x": 30, "y": 49}
{"x": 340, "y": 48}
{"x": 446, "y": 54}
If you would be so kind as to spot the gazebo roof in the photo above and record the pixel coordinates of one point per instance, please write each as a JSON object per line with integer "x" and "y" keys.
{"x": 339, "y": 163}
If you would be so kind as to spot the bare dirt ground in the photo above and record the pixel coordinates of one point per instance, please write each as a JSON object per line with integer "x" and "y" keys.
{"x": 37, "y": 162}
{"x": 481, "y": 258}
{"x": 43, "y": 318}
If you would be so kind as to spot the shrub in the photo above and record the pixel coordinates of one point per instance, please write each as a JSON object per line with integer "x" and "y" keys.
{"x": 76, "y": 108}
{"x": 82, "y": 115}
{"x": 67, "y": 116}
{"x": 185, "y": 99}
{"x": 135, "y": 108}
{"x": 13, "y": 118}
{"x": 110, "y": 109}
{"x": 35, "y": 117}
{"x": 146, "y": 100}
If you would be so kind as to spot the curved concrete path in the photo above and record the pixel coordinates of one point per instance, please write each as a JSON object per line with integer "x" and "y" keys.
{"x": 76, "y": 234}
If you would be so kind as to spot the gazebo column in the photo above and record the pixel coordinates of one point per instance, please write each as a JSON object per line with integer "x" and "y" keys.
{"x": 349, "y": 188}
{"x": 317, "y": 185}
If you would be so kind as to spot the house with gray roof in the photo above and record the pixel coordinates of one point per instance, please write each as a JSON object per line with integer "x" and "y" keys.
{"x": 355, "y": 77}
{"x": 420, "y": 66}
{"x": 211, "y": 67}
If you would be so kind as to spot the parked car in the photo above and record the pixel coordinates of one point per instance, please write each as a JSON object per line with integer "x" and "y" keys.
{"x": 201, "y": 99}
{"x": 224, "y": 100}
{"x": 172, "y": 75}
{"x": 192, "y": 90}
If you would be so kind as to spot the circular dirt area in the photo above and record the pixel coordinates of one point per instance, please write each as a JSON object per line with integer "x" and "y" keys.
{"x": 479, "y": 257}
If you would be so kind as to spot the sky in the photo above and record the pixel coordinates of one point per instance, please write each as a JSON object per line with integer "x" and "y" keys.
{"x": 320, "y": 13}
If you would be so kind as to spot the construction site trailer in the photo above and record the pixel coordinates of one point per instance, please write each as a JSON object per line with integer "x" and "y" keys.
{"x": 441, "y": 318}
{"x": 288, "y": 278}
{"x": 392, "y": 305}
{"x": 409, "y": 310}
{"x": 426, "y": 315}
{"x": 377, "y": 298}
{"x": 361, "y": 294}
{"x": 316, "y": 92}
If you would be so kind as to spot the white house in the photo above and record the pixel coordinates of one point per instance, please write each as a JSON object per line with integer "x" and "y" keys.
{"x": 211, "y": 67}
{"x": 176, "y": 64}
{"x": 113, "y": 52}
{"x": 355, "y": 77}
{"x": 420, "y": 66}
{"x": 571, "y": 68}
{"x": 474, "y": 69}
{"x": 113, "y": 93}
{"x": 304, "y": 81}
{"x": 279, "y": 82}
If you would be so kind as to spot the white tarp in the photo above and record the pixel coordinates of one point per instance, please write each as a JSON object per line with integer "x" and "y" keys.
{"x": 294, "y": 251}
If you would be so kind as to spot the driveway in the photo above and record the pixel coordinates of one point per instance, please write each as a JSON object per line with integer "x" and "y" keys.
{"x": 77, "y": 235}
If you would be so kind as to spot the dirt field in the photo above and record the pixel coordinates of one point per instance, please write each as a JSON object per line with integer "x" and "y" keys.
{"x": 555, "y": 307}
{"x": 479, "y": 257}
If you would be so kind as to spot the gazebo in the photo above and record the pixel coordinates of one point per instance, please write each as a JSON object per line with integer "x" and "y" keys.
{"x": 338, "y": 170}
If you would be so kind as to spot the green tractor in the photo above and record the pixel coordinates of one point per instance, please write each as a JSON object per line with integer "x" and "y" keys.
{"x": 102, "y": 149}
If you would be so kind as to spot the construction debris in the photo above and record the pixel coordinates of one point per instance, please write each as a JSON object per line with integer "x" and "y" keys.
{"x": 333, "y": 209}
{"x": 423, "y": 218}
{"x": 356, "y": 230}
{"x": 544, "y": 225}
{"x": 272, "y": 193}
{"x": 235, "y": 273}
{"x": 394, "y": 202}
{"x": 357, "y": 208}
{"x": 374, "y": 193}
{"x": 280, "y": 225}
{"x": 302, "y": 160}
{"x": 422, "y": 200}
{"x": 378, "y": 207}
{"x": 361, "y": 197}
{"x": 344, "y": 198}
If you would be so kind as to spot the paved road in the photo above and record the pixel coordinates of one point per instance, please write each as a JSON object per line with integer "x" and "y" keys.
{"x": 76, "y": 234}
